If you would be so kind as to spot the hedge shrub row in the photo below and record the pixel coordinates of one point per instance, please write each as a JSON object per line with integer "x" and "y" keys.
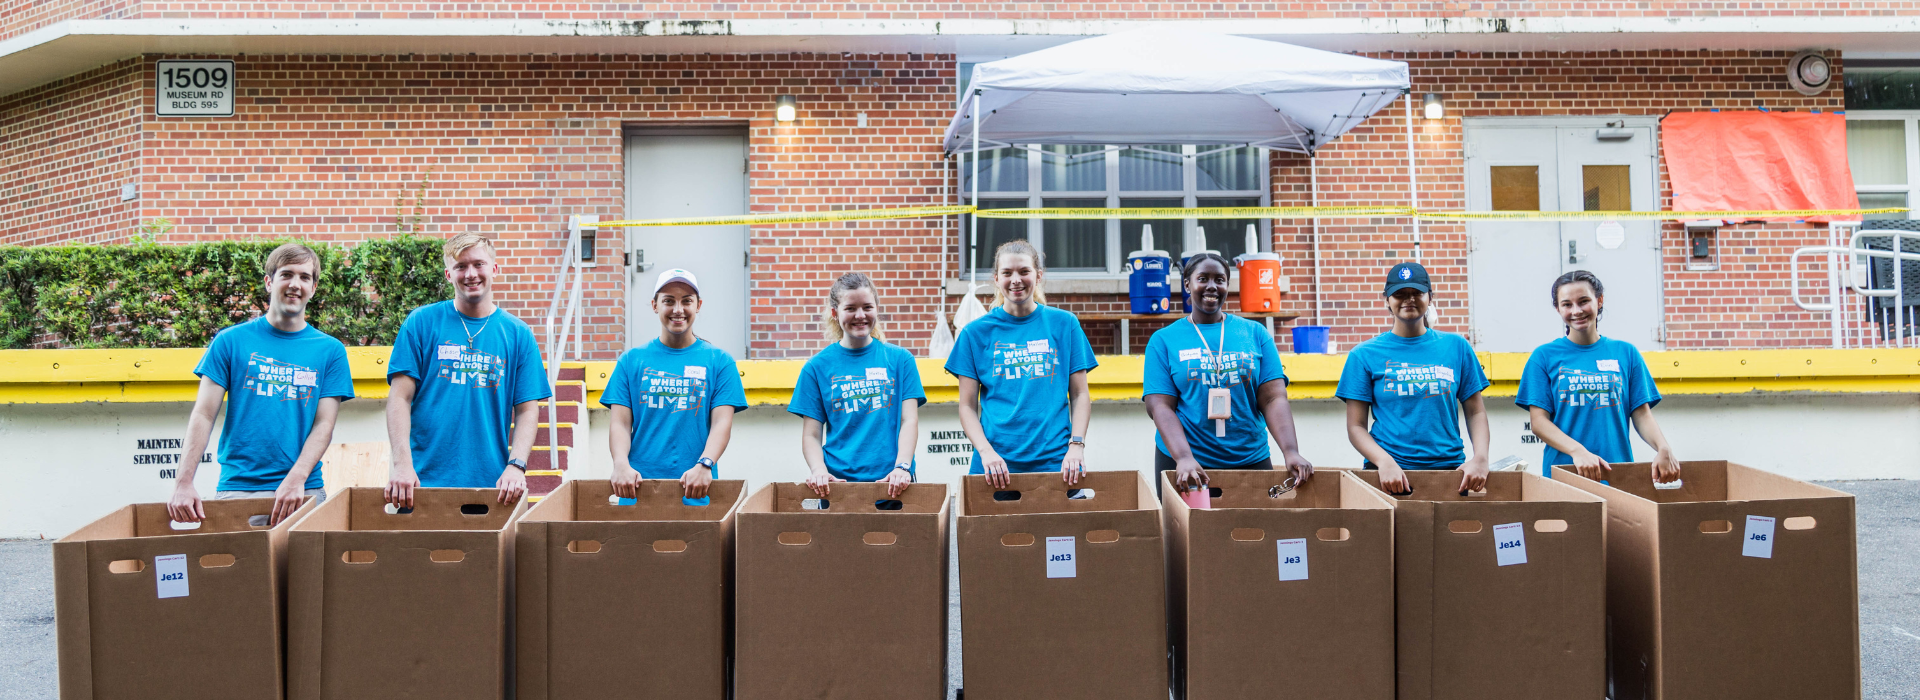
{"x": 153, "y": 295}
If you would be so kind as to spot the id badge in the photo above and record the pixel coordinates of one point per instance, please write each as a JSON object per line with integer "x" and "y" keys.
{"x": 1219, "y": 403}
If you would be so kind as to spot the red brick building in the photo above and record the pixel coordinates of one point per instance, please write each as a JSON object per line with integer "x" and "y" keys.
{"x": 517, "y": 116}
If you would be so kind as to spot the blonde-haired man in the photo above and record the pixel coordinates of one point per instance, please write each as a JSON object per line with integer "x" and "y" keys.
{"x": 465, "y": 379}
{"x": 283, "y": 382}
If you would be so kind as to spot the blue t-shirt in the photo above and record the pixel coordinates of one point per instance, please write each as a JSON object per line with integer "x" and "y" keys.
{"x": 1416, "y": 386}
{"x": 274, "y": 382}
{"x": 672, "y": 394}
{"x": 1023, "y": 365}
{"x": 1591, "y": 392}
{"x": 1183, "y": 365}
{"x": 471, "y": 372}
{"x": 858, "y": 395}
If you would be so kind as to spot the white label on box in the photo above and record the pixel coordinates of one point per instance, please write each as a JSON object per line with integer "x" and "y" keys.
{"x": 170, "y": 575}
{"x": 1060, "y": 558}
{"x": 1510, "y": 544}
{"x": 1293, "y": 559}
{"x": 1608, "y": 365}
{"x": 1037, "y": 345}
{"x": 694, "y": 372}
{"x": 878, "y": 374}
{"x": 305, "y": 378}
{"x": 1444, "y": 373}
{"x": 1759, "y": 542}
{"x": 1192, "y": 354}
{"x": 449, "y": 351}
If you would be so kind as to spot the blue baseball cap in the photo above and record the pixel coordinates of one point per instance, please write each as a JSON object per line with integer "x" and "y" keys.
{"x": 1407, "y": 275}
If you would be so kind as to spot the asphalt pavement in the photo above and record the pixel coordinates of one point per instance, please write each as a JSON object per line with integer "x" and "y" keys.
{"x": 1889, "y": 541}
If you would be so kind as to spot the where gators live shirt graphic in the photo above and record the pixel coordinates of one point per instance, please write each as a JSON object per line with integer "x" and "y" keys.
{"x": 1577, "y": 388}
{"x": 860, "y": 393}
{"x": 280, "y": 380}
{"x": 1033, "y": 359}
{"x": 1411, "y": 380}
{"x": 463, "y": 366}
{"x": 667, "y": 391}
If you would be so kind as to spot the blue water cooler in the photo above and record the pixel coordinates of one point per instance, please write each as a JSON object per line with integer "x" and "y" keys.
{"x": 1147, "y": 275}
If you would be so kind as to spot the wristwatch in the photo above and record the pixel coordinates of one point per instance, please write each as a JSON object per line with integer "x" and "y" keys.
{"x": 517, "y": 462}
{"x": 1077, "y": 440}
{"x": 705, "y": 462}
{"x": 905, "y": 467}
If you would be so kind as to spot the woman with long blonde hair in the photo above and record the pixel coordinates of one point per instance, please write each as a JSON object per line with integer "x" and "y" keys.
{"x": 858, "y": 398}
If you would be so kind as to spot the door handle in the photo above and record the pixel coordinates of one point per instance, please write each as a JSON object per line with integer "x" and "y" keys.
{"x": 1573, "y": 253}
{"x": 640, "y": 263}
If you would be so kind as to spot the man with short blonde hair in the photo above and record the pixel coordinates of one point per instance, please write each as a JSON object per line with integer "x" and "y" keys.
{"x": 283, "y": 382}
{"x": 466, "y": 379}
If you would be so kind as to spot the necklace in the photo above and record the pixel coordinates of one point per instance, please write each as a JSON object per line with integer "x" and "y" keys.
{"x": 469, "y": 329}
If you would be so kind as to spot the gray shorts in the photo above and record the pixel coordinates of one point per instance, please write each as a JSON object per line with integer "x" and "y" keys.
{"x": 319, "y": 495}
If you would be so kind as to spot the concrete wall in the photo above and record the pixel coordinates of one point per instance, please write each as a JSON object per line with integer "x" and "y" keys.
{"x": 79, "y": 461}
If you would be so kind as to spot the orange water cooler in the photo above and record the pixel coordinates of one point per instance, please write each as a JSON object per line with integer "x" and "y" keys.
{"x": 1259, "y": 282}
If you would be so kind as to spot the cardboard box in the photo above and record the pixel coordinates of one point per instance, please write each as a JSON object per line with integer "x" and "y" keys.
{"x": 843, "y": 599}
{"x": 1281, "y": 595}
{"x": 1501, "y": 594}
{"x": 625, "y": 601}
{"x": 407, "y": 604}
{"x": 1059, "y": 597}
{"x": 1707, "y": 598}
{"x": 145, "y": 610}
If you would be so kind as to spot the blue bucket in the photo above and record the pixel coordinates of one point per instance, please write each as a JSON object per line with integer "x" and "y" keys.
{"x": 1147, "y": 282}
{"x": 1310, "y": 340}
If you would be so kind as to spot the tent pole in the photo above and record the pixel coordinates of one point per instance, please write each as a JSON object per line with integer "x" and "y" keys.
{"x": 1413, "y": 179}
{"x": 974, "y": 248}
{"x": 1313, "y": 199}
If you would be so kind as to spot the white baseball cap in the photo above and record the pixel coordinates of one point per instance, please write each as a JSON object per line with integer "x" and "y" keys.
{"x": 676, "y": 275}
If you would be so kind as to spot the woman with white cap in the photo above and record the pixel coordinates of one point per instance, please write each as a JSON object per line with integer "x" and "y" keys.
{"x": 672, "y": 401}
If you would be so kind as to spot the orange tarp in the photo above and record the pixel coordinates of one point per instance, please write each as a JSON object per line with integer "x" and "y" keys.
{"x": 1758, "y": 161}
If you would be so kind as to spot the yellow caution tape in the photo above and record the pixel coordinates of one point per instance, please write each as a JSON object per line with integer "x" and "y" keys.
{"x": 1195, "y": 213}
{"x": 799, "y": 218}
{"x": 1643, "y": 215}
{"x": 1236, "y": 213}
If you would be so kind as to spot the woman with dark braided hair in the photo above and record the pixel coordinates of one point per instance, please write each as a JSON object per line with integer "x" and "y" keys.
{"x": 1215, "y": 389}
{"x": 1582, "y": 389}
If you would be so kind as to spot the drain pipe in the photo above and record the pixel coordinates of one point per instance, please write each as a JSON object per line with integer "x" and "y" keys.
{"x": 1413, "y": 179}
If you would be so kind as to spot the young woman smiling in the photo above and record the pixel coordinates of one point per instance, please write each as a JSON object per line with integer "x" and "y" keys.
{"x": 859, "y": 398}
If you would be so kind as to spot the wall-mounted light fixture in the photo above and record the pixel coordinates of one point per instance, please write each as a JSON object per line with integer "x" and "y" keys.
{"x": 784, "y": 107}
{"x": 1432, "y": 107}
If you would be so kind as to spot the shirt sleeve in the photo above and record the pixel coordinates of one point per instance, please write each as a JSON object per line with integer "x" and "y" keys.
{"x": 910, "y": 388}
{"x": 529, "y": 373}
{"x": 1536, "y": 385}
{"x": 617, "y": 392}
{"x": 213, "y": 363}
{"x": 961, "y": 362}
{"x": 1270, "y": 367}
{"x": 806, "y": 393}
{"x": 724, "y": 382}
{"x": 407, "y": 357}
{"x": 1473, "y": 378}
{"x": 1641, "y": 390}
{"x": 1157, "y": 378}
{"x": 337, "y": 380}
{"x": 1081, "y": 357}
{"x": 1356, "y": 383}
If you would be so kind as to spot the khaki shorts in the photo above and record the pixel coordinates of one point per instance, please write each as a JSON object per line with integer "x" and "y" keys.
{"x": 319, "y": 495}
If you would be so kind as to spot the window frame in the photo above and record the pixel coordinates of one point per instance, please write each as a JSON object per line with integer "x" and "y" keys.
{"x": 1910, "y": 118}
{"x": 1035, "y": 195}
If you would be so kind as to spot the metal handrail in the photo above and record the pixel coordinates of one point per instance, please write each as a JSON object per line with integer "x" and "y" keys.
{"x": 557, "y": 346}
{"x": 1793, "y": 270}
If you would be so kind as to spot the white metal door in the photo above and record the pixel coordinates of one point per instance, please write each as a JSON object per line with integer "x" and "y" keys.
{"x": 1580, "y": 164}
{"x": 1511, "y": 265}
{"x": 688, "y": 174}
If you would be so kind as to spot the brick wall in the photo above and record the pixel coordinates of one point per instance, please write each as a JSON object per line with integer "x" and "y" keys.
{"x": 323, "y": 146}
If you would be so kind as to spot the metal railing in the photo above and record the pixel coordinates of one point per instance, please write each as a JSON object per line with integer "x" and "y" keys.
{"x": 1858, "y": 317}
{"x": 567, "y": 278}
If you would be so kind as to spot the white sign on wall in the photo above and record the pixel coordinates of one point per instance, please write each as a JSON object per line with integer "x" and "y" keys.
{"x": 193, "y": 88}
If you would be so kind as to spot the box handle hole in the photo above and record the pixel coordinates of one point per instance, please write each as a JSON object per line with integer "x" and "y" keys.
{"x": 1715, "y": 527}
{"x": 1017, "y": 539}
{"x": 1549, "y": 526}
{"x": 1333, "y": 534}
{"x": 669, "y": 546}
{"x": 1080, "y": 494}
{"x": 177, "y": 525}
{"x": 1103, "y": 536}
{"x": 127, "y": 566}
{"x": 888, "y": 504}
{"x": 392, "y": 509}
{"x": 473, "y": 509}
{"x": 583, "y": 546}
{"x": 1247, "y": 534}
{"x": 216, "y": 561}
{"x": 1804, "y": 522}
{"x": 795, "y": 538}
{"x": 1464, "y": 527}
{"x": 815, "y": 504}
{"x": 1006, "y": 495}
{"x": 447, "y": 556}
{"x": 359, "y": 556}
{"x": 880, "y": 538}
{"x": 1213, "y": 492}
{"x": 259, "y": 521}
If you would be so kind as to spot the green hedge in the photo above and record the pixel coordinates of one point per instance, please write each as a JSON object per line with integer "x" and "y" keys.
{"x": 153, "y": 295}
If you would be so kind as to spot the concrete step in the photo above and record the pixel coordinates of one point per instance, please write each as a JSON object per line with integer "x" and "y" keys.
{"x": 569, "y": 412}
{"x": 570, "y": 391}
{"x": 566, "y": 435}
{"x": 540, "y": 460}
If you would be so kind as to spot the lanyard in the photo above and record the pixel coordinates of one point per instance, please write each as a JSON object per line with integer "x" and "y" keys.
{"x": 1212, "y": 357}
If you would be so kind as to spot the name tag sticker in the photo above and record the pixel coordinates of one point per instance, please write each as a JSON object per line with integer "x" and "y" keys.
{"x": 449, "y": 352}
{"x": 1609, "y": 365}
{"x": 1191, "y": 354}
{"x": 170, "y": 574}
{"x": 1040, "y": 345}
{"x": 306, "y": 378}
{"x": 1293, "y": 559}
{"x": 1444, "y": 373}
{"x": 1510, "y": 544}
{"x": 1060, "y": 562}
{"x": 877, "y": 373}
{"x": 694, "y": 372}
{"x": 1759, "y": 542}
